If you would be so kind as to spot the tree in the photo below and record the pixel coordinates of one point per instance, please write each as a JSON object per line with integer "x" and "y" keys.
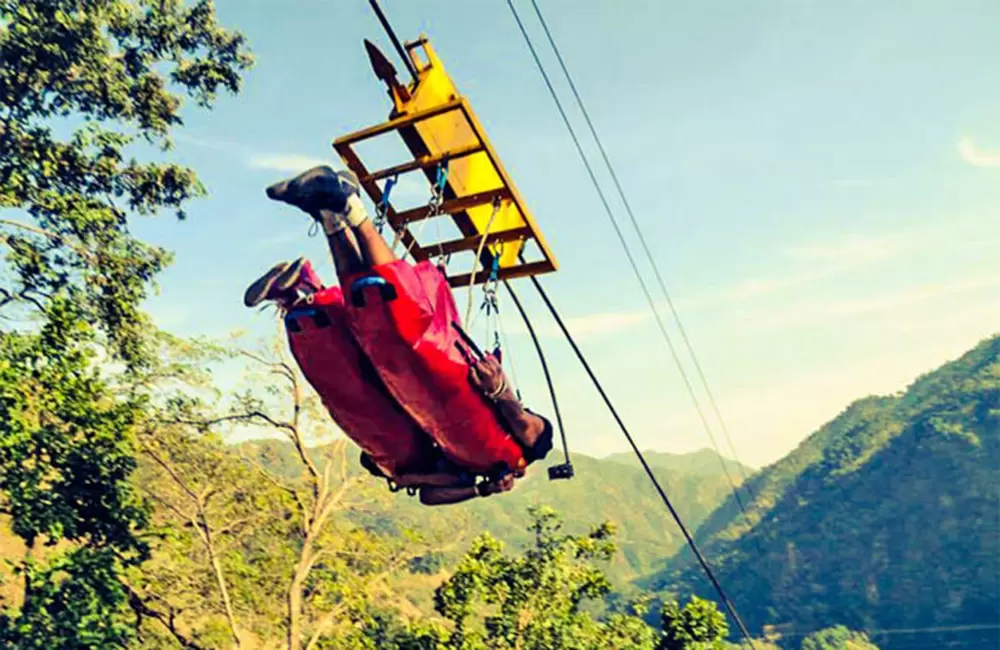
{"x": 85, "y": 87}
{"x": 113, "y": 73}
{"x": 66, "y": 459}
{"x": 698, "y": 626}
{"x": 533, "y": 601}
{"x": 248, "y": 554}
{"x": 838, "y": 638}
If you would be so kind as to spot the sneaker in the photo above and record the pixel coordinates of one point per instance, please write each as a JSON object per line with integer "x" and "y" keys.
{"x": 285, "y": 283}
{"x": 320, "y": 188}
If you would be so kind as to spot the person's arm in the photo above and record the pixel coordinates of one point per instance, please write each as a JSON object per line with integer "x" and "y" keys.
{"x": 440, "y": 479}
{"x": 439, "y": 496}
{"x": 488, "y": 376}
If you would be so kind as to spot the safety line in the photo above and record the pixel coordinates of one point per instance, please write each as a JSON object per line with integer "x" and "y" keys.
{"x": 545, "y": 366}
{"x": 632, "y": 262}
{"x": 646, "y": 249}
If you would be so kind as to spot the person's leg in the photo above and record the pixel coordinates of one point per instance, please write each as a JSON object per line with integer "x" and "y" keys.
{"x": 373, "y": 246}
{"x": 285, "y": 283}
{"x": 334, "y": 200}
{"x": 347, "y": 256}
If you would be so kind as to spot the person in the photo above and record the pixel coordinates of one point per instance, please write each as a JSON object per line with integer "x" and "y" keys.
{"x": 333, "y": 200}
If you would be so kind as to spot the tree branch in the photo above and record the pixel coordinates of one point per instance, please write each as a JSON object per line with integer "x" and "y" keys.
{"x": 84, "y": 253}
{"x": 173, "y": 474}
{"x": 142, "y": 608}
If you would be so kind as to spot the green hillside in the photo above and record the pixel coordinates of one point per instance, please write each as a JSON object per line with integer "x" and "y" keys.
{"x": 703, "y": 462}
{"x": 885, "y": 518}
{"x": 603, "y": 489}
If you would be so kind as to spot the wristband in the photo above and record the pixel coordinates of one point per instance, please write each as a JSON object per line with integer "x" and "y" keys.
{"x": 499, "y": 391}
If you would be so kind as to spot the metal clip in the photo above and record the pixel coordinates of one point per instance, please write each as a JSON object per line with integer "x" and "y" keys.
{"x": 382, "y": 209}
{"x": 437, "y": 191}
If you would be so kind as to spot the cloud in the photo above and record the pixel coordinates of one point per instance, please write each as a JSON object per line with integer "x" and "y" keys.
{"x": 609, "y": 323}
{"x": 280, "y": 240}
{"x": 975, "y": 156}
{"x": 854, "y": 249}
{"x": 281, "y": 162}
{"x": 284, "y": 162}
{"x": 829, "y": 259}
{"x": 214, "y": 145}
{"x": 588, "y": 326}
{"x": 826, "y": 311}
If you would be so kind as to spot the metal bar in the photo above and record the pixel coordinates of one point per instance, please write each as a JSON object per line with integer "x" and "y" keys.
{"x": 424, "y": 162}
{"x": 505, "y": 273}
{"x": 452, "y": 206}
{"x": 477, "y": 128}
{"x": 392, "y": 37}
{"x": 374, "y": 193}
{"x": 392, "y": 125}
{"x": 472, "y": 243}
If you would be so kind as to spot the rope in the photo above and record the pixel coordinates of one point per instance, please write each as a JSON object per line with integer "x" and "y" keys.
{"x": 642, "y": 459}
{"x": 510, "y": 355}
{"x": 479, "y": 254}
{"x": 433, "y": 207}
{"x": 545, "y": 368}
{"x": 645, "y": 247}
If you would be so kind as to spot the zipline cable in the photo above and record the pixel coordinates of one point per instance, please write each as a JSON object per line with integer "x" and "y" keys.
{"x": 631, "y": 260}
{"x": 395, "y": 40}
{"x": 642, "y": 459}
{"x": 646, "y": 249}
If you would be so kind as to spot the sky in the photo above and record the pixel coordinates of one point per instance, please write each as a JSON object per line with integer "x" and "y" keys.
{"x": 819, "y": 184}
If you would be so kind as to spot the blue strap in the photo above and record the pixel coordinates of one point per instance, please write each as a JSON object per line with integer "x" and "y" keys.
{"x": 367, "y": 281}
{"x": 389, "y": 184}
{"x": 442, "y": 176}
{"x": 495, "y": 269}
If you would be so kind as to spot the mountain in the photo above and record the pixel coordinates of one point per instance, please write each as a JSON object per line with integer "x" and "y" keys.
{"x": 884, "y": 519}
{"x": 703, "y": 462}
{"x": 602, "y": 489}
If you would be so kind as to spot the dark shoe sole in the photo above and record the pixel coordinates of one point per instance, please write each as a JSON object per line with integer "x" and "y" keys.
{"x": 280, "y": 277}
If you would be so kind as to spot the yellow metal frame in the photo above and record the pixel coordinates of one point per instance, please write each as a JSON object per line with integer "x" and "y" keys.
{"x": 438, "y": 125}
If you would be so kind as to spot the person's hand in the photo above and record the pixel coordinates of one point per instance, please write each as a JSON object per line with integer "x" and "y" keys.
{"x": 496, "y": 486}
{"x": 487, "y": 375}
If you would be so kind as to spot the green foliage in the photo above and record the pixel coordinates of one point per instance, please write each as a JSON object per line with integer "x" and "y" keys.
{"x": 703, "y": 462}
{"x": 838, "y": 638}
{"x": 85, "y": 86}
{"x": 884, "y": 518}
{"x": 65, "y": 451}
{"x": 112, "y": 73}
{"x": 603, "y": 490}
{"x": 698, "y": 626}
{"x": 76, "y": 602}
{"x": 534, "y": 600}
{"x": 430, "y": 563}
{"x": 382, "y": 629}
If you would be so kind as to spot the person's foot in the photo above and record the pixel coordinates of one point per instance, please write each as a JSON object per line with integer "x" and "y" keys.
{"x": 284, "y": 283}
{"x": 333, "y": 198}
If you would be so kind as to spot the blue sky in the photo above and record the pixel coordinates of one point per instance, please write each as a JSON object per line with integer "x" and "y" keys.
{"x": 820, "y": 183}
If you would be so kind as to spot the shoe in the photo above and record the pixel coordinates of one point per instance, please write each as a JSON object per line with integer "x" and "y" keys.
{"x": 319, "y": 188}
{"x": 285, "y": 283}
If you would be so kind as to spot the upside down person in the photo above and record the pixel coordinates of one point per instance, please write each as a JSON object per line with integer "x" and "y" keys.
{"x": 333, "y": 200}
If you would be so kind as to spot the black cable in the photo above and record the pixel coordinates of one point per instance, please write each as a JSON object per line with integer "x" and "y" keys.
{"x": 645, "y": 247}
{"x": 631, "y": 260}
{"x": 392, "y": 37}
{"x": 545, "y": 368}
{"x": 642, "y": 459}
